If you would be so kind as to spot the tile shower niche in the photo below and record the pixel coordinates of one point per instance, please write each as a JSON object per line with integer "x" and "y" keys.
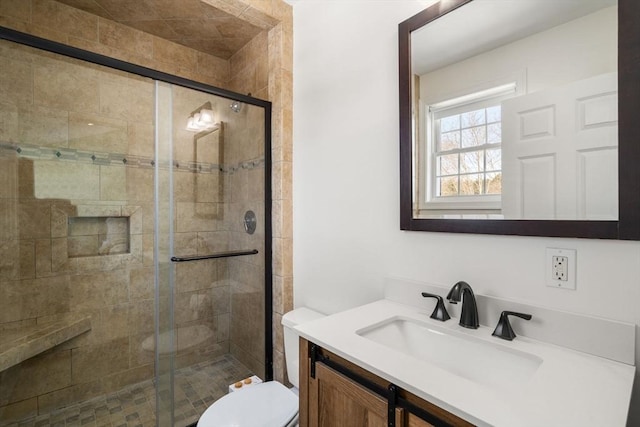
{"x": 95, "y": 236}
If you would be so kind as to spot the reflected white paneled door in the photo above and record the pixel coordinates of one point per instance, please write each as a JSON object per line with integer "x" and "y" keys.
{"x": 560, "y": 152}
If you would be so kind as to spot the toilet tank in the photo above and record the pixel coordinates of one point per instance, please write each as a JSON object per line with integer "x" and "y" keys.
{"x": 291, "y": 339}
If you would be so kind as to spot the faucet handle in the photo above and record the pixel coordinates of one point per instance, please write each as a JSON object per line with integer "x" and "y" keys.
{"x": 503, "y": 329}
{"x": 439, "y": 312}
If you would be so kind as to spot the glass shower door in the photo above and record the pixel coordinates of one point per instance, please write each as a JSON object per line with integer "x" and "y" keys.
{"x": 76, "y": 229}
{"x": 211, "y": 215}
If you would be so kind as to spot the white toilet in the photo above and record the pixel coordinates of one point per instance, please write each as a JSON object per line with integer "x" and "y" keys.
{"x": 269, "y": 404}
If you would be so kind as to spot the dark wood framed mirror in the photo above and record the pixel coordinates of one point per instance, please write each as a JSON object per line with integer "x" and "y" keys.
{"x": 624, "y": 225}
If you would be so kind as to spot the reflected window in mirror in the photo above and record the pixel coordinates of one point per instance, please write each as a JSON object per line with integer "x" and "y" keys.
{"x": 462, "y": 160}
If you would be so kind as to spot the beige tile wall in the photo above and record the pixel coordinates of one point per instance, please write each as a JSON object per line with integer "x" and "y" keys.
{"x": 58, "y": 22}
{"x": 263, "y": 68}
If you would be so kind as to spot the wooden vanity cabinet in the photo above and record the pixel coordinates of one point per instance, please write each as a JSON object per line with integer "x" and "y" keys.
{"x": 337, "y": 393}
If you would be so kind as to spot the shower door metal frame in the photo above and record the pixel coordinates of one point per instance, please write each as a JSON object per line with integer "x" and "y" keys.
{"x": 95, "y": 58}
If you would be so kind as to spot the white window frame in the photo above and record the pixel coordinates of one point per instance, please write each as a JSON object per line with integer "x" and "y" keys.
{"x": 460, "y": 104}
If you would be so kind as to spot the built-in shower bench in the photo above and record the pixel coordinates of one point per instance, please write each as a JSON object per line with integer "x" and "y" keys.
{"x": 20, "y": 344}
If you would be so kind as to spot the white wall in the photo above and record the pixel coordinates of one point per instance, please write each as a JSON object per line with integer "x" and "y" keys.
{"x": 582, "y": 48}
{"x": 346, "y": 180}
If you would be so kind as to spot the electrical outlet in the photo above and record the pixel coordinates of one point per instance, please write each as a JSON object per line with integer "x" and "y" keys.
{"x": 560, "y": 269}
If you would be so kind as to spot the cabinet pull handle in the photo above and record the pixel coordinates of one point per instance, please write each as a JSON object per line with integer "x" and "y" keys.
{"x": 314, "y": 357}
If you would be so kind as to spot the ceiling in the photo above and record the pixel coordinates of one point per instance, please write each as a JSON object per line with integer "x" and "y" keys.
{"x": 483, "y": 25}
{"x": 191, "y": 23}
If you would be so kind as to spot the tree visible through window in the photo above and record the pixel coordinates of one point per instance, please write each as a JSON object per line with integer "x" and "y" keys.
{"x": 468, "y": 153}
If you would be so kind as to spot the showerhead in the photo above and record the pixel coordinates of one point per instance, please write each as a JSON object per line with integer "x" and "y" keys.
{"x": 236, "y": 106}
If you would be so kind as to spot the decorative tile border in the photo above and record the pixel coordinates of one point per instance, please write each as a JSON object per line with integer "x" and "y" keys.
{"x": 118, "y": 159}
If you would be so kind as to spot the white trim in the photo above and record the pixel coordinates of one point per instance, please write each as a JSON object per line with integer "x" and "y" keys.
{"x": 479, "y": 202}
{"x": 464, "y": 102}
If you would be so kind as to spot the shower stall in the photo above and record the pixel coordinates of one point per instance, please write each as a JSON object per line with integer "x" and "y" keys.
{"x": 135, "y": 240}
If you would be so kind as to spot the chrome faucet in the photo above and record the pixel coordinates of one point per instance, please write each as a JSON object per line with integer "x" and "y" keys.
{"x": 469, "y": 315}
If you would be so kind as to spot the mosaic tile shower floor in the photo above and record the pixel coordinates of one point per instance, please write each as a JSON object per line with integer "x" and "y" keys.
{"x": 196, "y": 387}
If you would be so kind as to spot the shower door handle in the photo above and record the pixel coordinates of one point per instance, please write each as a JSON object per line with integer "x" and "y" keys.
{"x": 227, "y": 254}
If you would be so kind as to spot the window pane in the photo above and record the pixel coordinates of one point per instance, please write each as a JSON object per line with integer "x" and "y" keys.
{"x": 448, "y": 186}
{"x": 472, "y": 162}
{"x": 494, "y": 183}
{"x": 494, "y": 133}
{"x": 473, "y": 137}
{"x": 494, "y": 114}
{"x": 459, "y": 171}
{"x": 494, "y": 160}
{"x": 470, "y": 184}
{"x": 449, "y": 141}
{"x": 448, "y": 165}
{"x": 472, "y": 118}
{"x": 449, "y": 123}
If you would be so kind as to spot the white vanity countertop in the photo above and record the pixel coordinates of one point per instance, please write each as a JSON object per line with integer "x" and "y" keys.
{"x": 569, "y": 388}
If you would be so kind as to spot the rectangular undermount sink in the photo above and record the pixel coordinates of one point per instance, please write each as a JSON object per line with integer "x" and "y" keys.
{"x": 475, "y": 359}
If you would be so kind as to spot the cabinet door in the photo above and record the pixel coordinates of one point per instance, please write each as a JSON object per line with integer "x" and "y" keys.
{"x": 414, "y": 421}
{"x": 335, "y": 400}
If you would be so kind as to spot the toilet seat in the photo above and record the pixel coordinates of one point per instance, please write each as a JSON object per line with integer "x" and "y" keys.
{"x": 267, "y": 404}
